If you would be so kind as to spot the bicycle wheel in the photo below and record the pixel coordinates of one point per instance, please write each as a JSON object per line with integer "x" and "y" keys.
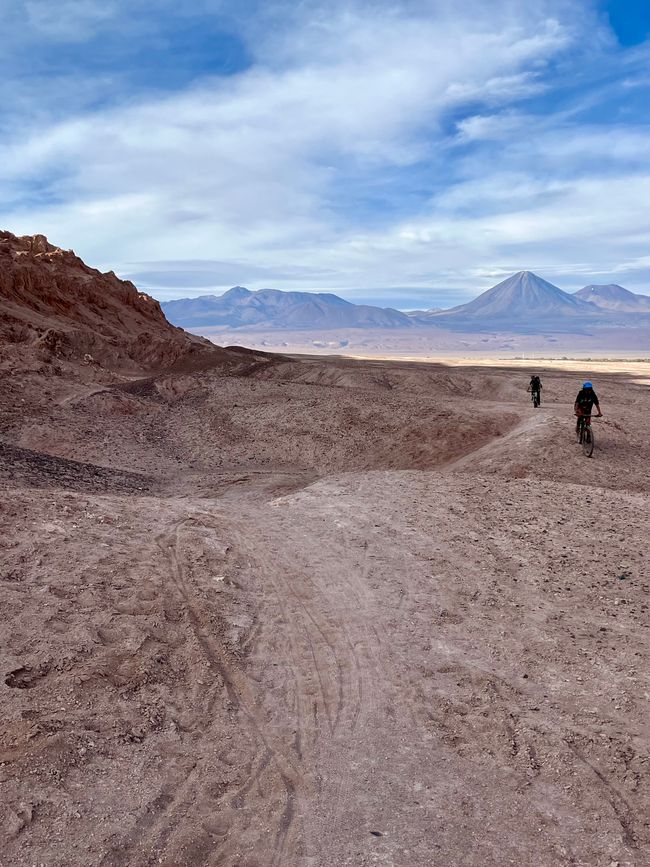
{"x": 588, "y": 441}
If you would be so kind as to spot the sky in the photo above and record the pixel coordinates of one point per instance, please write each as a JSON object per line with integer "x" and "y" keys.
{"x": 409, "y": 153}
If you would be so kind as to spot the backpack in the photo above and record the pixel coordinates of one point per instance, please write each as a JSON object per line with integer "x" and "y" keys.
{"x": 534, "y": 383}
{"x": 585, "y": 399}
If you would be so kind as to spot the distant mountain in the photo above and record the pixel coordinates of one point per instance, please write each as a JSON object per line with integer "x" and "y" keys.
{"x": 614, "y": 297}
{"x": 271, "y": 308}
{"x": 421, "y": 317}
{"x": 523, "y": 303}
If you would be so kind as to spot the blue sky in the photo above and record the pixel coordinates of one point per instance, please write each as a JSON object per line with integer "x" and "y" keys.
{"x": 407, "y": 153}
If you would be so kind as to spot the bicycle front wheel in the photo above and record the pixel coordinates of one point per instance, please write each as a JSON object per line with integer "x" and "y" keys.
{"x": 588, "y": 441}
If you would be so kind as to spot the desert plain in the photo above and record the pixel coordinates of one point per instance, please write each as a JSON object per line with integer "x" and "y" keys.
{"x": 316, "y": 612}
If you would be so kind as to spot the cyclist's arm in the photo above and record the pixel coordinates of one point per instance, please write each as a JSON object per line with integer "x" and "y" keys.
{"x": 597, "y": 405}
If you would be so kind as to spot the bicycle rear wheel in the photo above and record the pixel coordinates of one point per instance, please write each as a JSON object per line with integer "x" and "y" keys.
{"x": 588, "y": 441}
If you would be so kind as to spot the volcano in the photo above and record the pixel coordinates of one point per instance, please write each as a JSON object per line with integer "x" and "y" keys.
{"x": 614, "y": 297}
{"x": 524, "y": 302}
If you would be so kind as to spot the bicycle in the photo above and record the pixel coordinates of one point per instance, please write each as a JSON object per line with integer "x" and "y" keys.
{"x": 585, "y": 434}
{"x": 535, "y": 397}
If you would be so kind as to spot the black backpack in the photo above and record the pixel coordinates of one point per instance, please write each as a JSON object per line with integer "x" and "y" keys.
{"x": 585, "y": 399}
{"x": 534, "y": 383}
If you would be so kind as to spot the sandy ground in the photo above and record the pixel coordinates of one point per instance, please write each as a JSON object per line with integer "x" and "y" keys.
{"x": 328, "y": 613}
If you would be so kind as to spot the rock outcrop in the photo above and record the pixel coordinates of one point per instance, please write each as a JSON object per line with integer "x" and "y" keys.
{"x": 54, "y": 309}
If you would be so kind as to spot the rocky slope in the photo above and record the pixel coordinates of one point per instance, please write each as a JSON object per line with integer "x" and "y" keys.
{"x": 56, "y": 311}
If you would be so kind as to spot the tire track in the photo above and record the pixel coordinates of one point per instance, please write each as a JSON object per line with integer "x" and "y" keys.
{"x": 325, "y": 616}
{"x": 239, "y": 693}
{"x": 152, "y": 833}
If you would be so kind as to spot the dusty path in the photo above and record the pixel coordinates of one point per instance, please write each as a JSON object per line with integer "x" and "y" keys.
{"x": 255, "y": 666}
{"x": 394, "y": 693}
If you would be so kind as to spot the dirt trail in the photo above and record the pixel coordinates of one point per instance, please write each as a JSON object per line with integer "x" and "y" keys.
{"x": 438, "y": 658}
{"x": 378, "y": 644}
{"x": 494, "y": 450}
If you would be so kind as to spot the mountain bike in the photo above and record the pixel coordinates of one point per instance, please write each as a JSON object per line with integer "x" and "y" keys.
{"x": 535, "y": 397}
{"x": 585, "y": 434}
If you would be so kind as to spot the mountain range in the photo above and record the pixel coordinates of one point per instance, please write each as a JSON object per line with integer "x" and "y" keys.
{"x": 523, "y": 303}
{"x": 272, "y": 308}
{"x": 56, "y": 312}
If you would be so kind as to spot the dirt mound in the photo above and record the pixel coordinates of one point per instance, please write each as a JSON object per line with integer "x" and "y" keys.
{"x": 37, "y": 469}
{"x": 55, "y": 310}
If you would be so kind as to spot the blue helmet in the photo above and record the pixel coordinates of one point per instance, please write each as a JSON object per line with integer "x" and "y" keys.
{"x": 587, "y": 385}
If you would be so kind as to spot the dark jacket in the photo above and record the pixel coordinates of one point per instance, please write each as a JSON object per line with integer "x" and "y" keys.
{"x": 586, "y": 399}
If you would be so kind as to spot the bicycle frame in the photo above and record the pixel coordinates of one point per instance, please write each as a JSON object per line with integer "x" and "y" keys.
{"x": 585, "y": 434}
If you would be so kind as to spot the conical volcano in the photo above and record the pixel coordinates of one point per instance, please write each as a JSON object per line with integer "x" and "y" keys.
{"x": 523, "y": 302}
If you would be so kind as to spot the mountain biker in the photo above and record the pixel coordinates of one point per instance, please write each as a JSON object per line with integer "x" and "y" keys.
{"x": 535, "y": 388}
{"x": 585, "y": 401}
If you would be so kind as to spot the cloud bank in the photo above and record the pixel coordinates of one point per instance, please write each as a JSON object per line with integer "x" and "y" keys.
{"x": 352, "y": 147}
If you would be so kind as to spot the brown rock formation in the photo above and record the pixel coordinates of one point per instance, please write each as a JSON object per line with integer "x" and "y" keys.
{"x": 54, "y": 309}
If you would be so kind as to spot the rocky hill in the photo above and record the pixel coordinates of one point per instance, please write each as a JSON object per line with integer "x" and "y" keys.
{"x": 272, "y": 308}
{"x": 55, "y": 310}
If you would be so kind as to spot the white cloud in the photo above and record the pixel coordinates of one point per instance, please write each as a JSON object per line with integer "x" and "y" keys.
{"x": 265, "y": 169}
{"x": 67, "y": 20}
{"x": 264, "y": 145}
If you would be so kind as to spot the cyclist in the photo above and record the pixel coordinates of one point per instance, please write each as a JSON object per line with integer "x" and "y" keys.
{"x": 535, "y": 388}
{"x": 585, "y": 401}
